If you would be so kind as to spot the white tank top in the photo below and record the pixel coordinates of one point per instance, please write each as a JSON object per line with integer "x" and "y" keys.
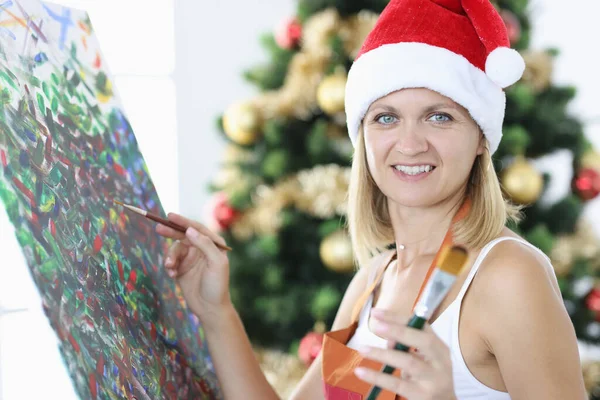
{"x": 466, "y": 386}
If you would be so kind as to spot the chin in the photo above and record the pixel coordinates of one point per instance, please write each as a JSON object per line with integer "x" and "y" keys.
{"x": 415, "y": 199}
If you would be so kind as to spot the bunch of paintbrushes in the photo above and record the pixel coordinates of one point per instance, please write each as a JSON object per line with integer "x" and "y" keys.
{"x": 451, "y": 264}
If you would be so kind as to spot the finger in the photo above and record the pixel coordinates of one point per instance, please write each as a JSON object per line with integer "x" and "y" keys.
{"x": 181, "y": 220}
{"x": 203, "y": 243}
{"x": 389, "y": 382}
{"x": 168, "y": 232}
{"x": 390, "y": 314}
{"x": 406, "y": 362}
{"x": 176, "y": 253}
{"x": 429, "y": 345}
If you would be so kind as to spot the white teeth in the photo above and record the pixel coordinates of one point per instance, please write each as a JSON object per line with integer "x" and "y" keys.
{"x": 414, "y": 170}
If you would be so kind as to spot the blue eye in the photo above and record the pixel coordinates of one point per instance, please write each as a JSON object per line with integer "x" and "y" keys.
{"x": 440, "y": 117}
{"x": 386, "y": 119}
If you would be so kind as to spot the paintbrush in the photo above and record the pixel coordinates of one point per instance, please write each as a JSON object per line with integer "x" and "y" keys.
{"x": 165, "y": 222}
{"x": 451, "y": 264}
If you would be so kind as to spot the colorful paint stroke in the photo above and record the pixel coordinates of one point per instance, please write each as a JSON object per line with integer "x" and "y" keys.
{"x": 66, "y": 151}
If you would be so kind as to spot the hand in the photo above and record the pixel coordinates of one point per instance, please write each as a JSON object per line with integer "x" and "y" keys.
{"x": 199, "y": 266}
{"x": 426, "y": 374}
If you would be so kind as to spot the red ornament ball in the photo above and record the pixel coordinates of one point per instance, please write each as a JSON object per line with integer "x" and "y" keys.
{"x": 587, "y": 183}
{"x": 310, "y": 346}
{"x": 220, "y": 215}
{"x": 513, "y": 26}
{"x": 288, "y": 34}
{"x": 592, "y": 301}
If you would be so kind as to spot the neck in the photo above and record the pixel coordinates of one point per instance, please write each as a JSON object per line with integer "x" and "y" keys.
{"x": 421, "y": 230}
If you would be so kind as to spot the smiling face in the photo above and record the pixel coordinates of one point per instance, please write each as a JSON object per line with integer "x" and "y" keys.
{"x": 420, "y": 146}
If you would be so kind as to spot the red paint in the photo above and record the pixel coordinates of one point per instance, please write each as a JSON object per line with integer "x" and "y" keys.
{"x": 133, "y": 276}
{"x": 3, "y": 157}
{"x": 163, "y": 376}
{"x": 100, "y": 366}
{"x": 48, "y": 149}
{"x": 97, "y": 61}
{"x": 24, "y": 190}
{"x": 52, "y": 228}
{"x": 97, "y": 244}
{"x": 153, "y": 334}
{"x": 93, "y": 387}
{"x": 79, "y": 294}
{"x": 64, "y": 160}
{"x": 83, "y": 27}
{"x": 74, "y": 343}
{"x": 121, "y": 272}
{"x": 179, "y": 315}
{"x": 88, "y": 321}
{"x": 34, "y": 219}
{"x": 86, "y": 226}
{"x": 119, "y": 169}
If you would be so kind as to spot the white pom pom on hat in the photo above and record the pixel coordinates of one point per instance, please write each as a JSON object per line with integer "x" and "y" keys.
{"x": 459, "y": 48}
{"x": 504, "y": 66}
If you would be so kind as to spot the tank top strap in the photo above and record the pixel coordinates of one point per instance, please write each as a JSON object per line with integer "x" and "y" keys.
{"x": 484, "y": 252}
{"x": 372, "y": 284}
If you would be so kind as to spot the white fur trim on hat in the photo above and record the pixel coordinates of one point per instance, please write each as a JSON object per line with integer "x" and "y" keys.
{"x": 396, "y": 66}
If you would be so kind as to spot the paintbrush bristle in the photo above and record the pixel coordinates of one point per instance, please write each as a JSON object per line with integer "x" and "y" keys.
{"x": 118, "y": 202}
{"x": 454, "y": 260}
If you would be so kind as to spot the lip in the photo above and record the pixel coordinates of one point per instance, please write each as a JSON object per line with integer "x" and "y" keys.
{"x": 412, "y": 178}
{"x": 414, "y": 164}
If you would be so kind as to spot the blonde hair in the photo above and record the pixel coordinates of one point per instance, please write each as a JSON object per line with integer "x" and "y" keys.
{"x": 369, "y": 221}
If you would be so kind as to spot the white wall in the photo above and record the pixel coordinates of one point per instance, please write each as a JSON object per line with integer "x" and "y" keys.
{"x": 216, "y": 41}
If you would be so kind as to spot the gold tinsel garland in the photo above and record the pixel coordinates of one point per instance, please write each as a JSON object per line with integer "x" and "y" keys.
{"x": 297, "y": 97}
{"x": 282, "y": 370}
{"x": 320, "y": 192}
{"x": 538, "y": 71}
{"x": 582, "y": 244}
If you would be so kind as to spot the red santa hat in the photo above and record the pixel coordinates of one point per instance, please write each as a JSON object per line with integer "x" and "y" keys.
{"x": 458, "y": 48}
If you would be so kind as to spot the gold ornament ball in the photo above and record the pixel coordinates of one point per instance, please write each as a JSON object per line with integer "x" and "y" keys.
{"x": 591, "y": 159}
{"x": 331, "y": 93}
{"x": 336, "y": 252}
{"x": 241, "y": 123}
{"x": 523, "y": 183}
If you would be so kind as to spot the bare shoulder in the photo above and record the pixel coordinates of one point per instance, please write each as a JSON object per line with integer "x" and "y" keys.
{"x": 525, "y": 324}
{"x": 512, "y": 267}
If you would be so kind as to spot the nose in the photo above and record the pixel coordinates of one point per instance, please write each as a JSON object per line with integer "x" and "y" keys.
{"x": 410, "y": 141}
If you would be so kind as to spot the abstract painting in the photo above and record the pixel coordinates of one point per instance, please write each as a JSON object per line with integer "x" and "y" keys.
{"x": 67, "y": 151}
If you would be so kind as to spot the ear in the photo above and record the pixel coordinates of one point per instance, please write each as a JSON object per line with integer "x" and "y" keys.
{"x": 482, "y": 143}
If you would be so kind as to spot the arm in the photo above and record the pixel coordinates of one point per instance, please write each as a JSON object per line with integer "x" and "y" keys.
{"x": 202, "y": 272}
{"x": 527, "y": 327}
{"x": 236, "y": 365}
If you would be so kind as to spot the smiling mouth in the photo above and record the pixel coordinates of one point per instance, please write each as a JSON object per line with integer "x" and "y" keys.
{"x": 414, "y": 170}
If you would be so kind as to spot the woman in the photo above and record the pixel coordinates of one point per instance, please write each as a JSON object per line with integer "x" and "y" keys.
{"x": 425, "y": 107}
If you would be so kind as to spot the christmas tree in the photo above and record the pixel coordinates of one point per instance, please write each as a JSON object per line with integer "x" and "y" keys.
{"x": 280, "y": 198}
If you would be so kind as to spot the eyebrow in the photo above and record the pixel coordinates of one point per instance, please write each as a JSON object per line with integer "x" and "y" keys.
{"x": 387, "y": 107}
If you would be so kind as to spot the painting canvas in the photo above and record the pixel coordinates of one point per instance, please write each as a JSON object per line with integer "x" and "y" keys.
{"x": 66, "y": 152}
